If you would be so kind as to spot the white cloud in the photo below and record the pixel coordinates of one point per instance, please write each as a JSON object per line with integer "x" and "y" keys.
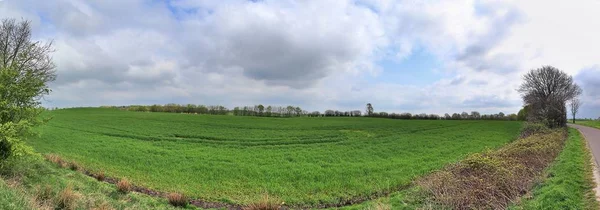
{"x": 316, "y": 54}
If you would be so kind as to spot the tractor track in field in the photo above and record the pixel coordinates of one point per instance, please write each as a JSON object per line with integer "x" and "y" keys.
{"x": 221, "y": 205}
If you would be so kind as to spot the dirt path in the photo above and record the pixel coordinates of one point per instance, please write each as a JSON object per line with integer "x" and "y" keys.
{"x": 592, "y": 135}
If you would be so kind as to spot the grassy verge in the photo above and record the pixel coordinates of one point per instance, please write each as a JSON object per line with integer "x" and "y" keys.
{"x": 570, "y": 184}
{"x": 11, "y": 199}
{"x": 38, "y": 184}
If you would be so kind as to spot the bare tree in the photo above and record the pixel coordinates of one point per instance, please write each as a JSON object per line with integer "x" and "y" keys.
{"x": 546, "y": 90}
{"x": 575, "y": 103}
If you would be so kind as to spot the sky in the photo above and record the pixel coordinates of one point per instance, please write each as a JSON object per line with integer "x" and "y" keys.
{"x": 417, "y": 56}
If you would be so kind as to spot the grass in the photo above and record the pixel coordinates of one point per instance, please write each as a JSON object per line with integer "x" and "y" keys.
{"x": 302, "y": 161}
{"x": 40, "y": 184}
{"x": 67, "y": 198}
{"x": 569, "y": 184}
{"x": 11, "y": 199}
{"x": 590, "y": 123}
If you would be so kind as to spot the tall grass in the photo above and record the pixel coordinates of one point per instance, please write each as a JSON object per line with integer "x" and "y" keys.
{"x": 67, "y": 198}
{"x": 39, "y": 184}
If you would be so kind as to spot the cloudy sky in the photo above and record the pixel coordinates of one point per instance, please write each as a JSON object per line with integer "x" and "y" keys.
{"x": 402, "y": 56}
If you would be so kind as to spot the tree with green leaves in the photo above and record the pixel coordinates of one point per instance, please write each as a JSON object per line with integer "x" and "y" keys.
{"x": 261, "y": 109}
{"x": 522, "y": 115}
{"x": 26, "y": 69}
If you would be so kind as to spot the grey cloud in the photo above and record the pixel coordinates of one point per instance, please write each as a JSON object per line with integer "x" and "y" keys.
{"x": 457, "y": 81}
{"x": 589, "y": 80}
{"x": 478, "y": 82}
{"x": 477, "y": 54}
{"x": 487, "y": 102}
{"x": 290, "y": 48}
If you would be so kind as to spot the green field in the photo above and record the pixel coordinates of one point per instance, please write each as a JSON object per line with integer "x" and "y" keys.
{"x": 303, "y": 161}
{"x": 590, "y": 123}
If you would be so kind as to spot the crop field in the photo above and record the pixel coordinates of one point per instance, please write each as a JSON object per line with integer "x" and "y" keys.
{"x": 302, "y": 161}
{"x": 590, "y": 123}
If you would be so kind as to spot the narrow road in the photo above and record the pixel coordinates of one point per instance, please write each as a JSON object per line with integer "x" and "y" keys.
{"x": 592, "y": 135}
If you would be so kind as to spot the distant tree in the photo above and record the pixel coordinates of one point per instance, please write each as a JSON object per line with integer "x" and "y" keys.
{"x": 546, "y": 90}
{"x": 298, "y": 111}
{"x": 475, "y": 115}
{"x": 26, "y": 69}
{"x": 447, "y": 116}
{"x": 290, "y": 110}
{"x": 464, "y": 115}
{"x": 269, "y": 110}
{"x": 261, "y": 109}
{"x": 383, "y": 114}
{"x": 456, "y": 116}
{"x": 522, "y": 115}
{"x": 315, "y": 114}
{"x": 501, "y": 115}
{"x": 329, "y": 112}
{"x": 574, "y": 104}
{"x": 369, "y": 109}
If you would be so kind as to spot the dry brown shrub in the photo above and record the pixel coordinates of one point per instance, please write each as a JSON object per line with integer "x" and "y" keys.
{"x": 380, "y": 206}
{"x": 99, "y": 176}
{"x": 44, "y": 193}
{"x": 74, "y": 166}
{"x": 104, "y": 206}
{"x": 67, "y": 199}
{"x": 266, "y": 203}
{"x": 124, "y": 185}
{"x": 177, "y": 199}
{"x": 493, "y": 179}
{"x": 57, "y": 160}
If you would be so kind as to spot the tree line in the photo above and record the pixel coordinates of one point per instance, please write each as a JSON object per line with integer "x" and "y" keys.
{"x": 295, "y": 111}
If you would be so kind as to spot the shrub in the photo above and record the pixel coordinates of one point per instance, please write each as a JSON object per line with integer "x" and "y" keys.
{"x": 67, "y": 199}
{"x": 533, "y": 128}
{"x": 380, "y": 206}
{"x": 56, "y": 159}
{"x": 44, "y": 193}
{"x": 99, "y": 176}
{"x": 104, "y": 206}
{"x": 177, "y": 199}
{"x": 493, "y": 179}
{"x": 265, "y": 203}
{"x": 74, "y": 166}
{"x": 124, "y": 186}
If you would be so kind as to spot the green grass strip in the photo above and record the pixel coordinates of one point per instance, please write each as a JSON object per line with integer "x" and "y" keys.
{"x": 11, "y": 199}
{"x": 570, "y": 183}
{"x": 589, "y": 123}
